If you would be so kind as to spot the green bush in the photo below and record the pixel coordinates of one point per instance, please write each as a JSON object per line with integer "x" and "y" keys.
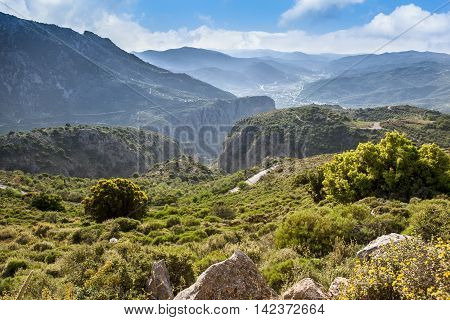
{"x": 313, "y": 230}
{"x": 115, "y": 198}
{"x": 393, "y": 168}
{"x": 223, "y": 211}
{"x": 125, "y": 224}
{"x": 431, "y": 219}
{"x": 12, "y": 266}
{"x": 47, "y": 202}
{"x": 172, "y": 221}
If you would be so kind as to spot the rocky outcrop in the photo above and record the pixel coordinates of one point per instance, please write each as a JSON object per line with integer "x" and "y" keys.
{"x": 306, "y": 289}
{"x": 236, "y": 278}
{"x": 158, "y": 286}
{"x": 337, "y": 287}
{"x": 374, "y": 246}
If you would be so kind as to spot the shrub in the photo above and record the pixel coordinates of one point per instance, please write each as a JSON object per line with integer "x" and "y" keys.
{"x": 431, "y": 219}
{"x": 173, "y": 221}
{"x": 179, "y": 262}
{"x": 42, "y": 246}
{"x": 313, "y": 230}
{"x": 41, "y": 229}
{"x": 47, "y": 202}
{"x": 115, "y": 198}
{"x": 126, "y": 224}
{"x": 12, "y": 266}
{"x": 409, "y": 269}
{"x": 7, "y": 233}
{"x": 393, "y": 168}
{"x": 223, "y": 211}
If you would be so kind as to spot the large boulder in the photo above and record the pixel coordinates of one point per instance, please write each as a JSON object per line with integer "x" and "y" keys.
{"x": 306, "y": 289}
{"x": 374, "y": 246}
{"x": 158, "y": 286}
{"x": 337, "y": 287}
{"x": 236, "y": 278}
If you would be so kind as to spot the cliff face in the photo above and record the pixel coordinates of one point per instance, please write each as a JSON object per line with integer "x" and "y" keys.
{"x": 85, "y": 151}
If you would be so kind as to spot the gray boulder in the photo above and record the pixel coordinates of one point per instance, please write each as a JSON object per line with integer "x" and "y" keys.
{"x": 236, "y": 278}
{"x": 337, "y": 287}
{"x": 374, "y": 246}
{"x": 306, "y": 289}
{"x": 158, "y": 286}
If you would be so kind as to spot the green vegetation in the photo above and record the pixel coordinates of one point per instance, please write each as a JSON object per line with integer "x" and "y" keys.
{"x": 393, "y": 168}
{"x": 192, "y": 224}
{"x": 47, "y": 202}
{"x": 115, "y": 198}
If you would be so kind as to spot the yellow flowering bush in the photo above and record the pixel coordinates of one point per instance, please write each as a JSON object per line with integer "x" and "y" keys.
{"x": 409, "y": 270}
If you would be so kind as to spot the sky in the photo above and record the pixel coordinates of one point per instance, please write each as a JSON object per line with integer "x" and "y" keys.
{"x": 311, "y": 26}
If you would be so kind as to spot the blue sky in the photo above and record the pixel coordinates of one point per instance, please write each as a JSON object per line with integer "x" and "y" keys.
{"x": 264, "y": 15}
{"x": 312, "y": 26}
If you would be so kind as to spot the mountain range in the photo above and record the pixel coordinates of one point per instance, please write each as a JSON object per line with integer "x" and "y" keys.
{"x": 295, "y": 78}
{"x": 51, "y": 75}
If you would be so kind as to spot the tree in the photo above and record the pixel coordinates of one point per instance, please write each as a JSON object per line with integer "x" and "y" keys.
{"x": 115, "y": 198}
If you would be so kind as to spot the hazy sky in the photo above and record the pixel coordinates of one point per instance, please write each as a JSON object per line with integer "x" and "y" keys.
{"x": 313, "y": 26}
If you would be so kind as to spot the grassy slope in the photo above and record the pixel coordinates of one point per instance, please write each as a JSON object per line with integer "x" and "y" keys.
{"x": 72, "y": 258}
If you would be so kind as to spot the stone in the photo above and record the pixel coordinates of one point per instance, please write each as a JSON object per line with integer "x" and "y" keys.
{"x": 158, "y": 286}
{"x": 236, "y": 278}
{"x": 306, "y": 289}
{"x": 374, "y": 246}
{"x": 337, "y": 287}
{"x": 113, "y": 240}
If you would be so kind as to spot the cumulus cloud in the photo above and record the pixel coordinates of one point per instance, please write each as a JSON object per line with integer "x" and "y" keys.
{"x": 430, "y": 35}
{"x": 301, "y": 7}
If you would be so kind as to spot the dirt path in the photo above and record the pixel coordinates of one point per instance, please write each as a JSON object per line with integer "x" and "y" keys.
{"x": 255, "y": 178}
{"x": 376, "y": 126}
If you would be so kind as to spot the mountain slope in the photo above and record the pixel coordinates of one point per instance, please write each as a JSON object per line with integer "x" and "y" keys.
{"x": 52, "y": 75}
{"x": 224, "y": 71}
{"x": 424, "y": 84}
{"x": 313, "y": 130}
{"x": 85, "y": 151}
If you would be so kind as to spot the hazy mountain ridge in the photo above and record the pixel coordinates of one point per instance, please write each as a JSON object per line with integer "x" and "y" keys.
{"x": 293, "y": 78}
{"x": 51, "y": 75}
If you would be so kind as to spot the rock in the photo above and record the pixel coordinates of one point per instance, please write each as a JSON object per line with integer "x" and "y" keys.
{"x": 113, "y": 240}
{"x": 236, "y": 278}
{"x": 337, "y": 287}
{"x": 306, "y": 289}
{"x": 158, "y": 285}
{"x": 376, "y": 244}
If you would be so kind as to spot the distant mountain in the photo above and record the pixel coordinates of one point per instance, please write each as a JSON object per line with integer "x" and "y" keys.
{"x": 224, "y": 71}
{"x": 392, "y": 81}
{"x": 86, "y": 151}
{"x": 312, "y": 130}
{"x": 51, "y": 75}
{"x": 293, "y": 78}
{"x": 314, "y": 62}
{"x": 383, "y": 62}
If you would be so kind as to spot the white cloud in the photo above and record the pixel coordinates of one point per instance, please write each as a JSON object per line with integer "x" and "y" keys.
{"x": 430, "y": 35}
{"x": 301, "y": 7}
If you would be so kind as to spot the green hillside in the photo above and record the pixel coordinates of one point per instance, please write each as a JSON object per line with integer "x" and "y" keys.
{"x": 85, "y": 151}
{"x": 193, "y": 225}
{"x": 319, "y": 129}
